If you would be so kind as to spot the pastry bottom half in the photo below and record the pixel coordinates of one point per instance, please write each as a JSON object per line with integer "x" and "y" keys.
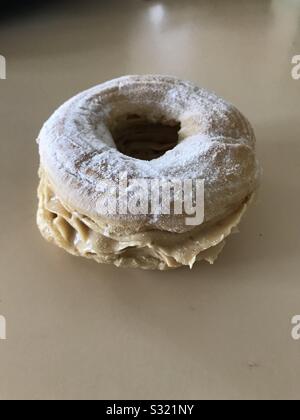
{"x": 153, "y": 250}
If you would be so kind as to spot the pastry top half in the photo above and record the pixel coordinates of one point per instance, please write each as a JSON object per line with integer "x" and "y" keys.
{"x": 216, "y": 144}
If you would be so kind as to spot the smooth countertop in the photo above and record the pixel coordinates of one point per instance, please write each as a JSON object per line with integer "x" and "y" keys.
{"x": 80, "y": 330}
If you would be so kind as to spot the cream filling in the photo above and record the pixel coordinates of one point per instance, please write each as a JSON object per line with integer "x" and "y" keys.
{"x": 82, "y": 236}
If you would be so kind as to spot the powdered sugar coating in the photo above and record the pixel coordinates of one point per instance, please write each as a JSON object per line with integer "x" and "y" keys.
{"x": 217, "y": 144}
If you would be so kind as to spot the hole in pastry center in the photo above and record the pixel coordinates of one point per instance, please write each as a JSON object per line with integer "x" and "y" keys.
{"x": 139, "y": 138}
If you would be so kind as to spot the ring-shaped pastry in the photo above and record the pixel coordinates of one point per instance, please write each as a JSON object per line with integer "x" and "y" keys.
{"x": 127, "y": 126}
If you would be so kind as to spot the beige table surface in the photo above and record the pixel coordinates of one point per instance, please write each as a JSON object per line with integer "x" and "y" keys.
{"x": 76, "y": 329}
